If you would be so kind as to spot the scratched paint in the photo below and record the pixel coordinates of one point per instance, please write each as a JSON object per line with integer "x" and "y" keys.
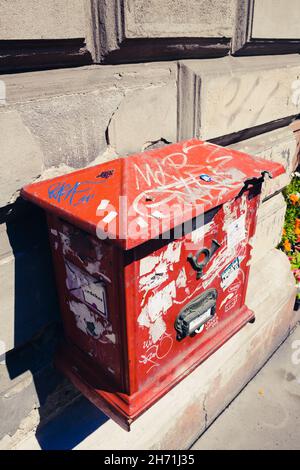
{"x": 152, "y": 313}
{"x": 181, "y": 280}
{"x": 198, "y": 234}
{"x": 228, "y": 297}
{"x": 231, "y": 303}
{"x": 91, "y": 259}
{"x": 158, "y": 267}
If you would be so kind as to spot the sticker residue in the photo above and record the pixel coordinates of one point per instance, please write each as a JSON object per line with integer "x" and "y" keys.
{"x": 86, "y": 288}
{"x": 152, "y": 313}
{"x": 236, "y": 231}
{"x": 88, "y": 323}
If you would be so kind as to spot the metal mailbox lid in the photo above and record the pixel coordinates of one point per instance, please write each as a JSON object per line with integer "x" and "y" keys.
{"x": 134, "y": 199}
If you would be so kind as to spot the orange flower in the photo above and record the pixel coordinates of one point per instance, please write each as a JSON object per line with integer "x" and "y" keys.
{"x": 294, "y": 198}
{"x": 297, "y": 223}
{"x": 297, "y": 230}
{"x": 287, "y": 246}
{"x": 284, "y": 232}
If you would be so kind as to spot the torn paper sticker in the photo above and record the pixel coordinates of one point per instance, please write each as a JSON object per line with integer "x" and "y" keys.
{"x": 86, "y": 288}
{"x": 236, "y": 231}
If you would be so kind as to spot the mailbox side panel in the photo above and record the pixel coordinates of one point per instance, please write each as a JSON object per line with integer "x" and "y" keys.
{"x": 89, "y": 276}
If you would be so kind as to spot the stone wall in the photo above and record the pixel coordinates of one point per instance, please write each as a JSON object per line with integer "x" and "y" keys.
{"x": 120, "y": 77}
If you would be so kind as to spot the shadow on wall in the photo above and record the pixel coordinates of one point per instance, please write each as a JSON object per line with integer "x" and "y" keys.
{"x": 35, "y": 298}
{"x": 37, "y": 329}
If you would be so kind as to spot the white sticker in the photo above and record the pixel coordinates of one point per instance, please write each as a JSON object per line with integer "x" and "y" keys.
{"x": 94, "y": 294}
{"x": 230, "y": 273}
{"x": 236, "y": 231}
{"x": 103, "y": 205}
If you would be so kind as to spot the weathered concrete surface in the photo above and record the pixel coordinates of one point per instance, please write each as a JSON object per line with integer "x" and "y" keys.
{"x": 275, "y": 21}
{"x": 281, "y": 146}
{"x": 32, "y": 19}
{"x": 183, "y": 18}
{"x": 224, "y": 96}
{"x": 29, "y": 385}
{"x": 178, "y": 418}
{"x": 61, "y": 117}
{"x": 16, "y": 402}
{"x": 133, "y": 126}
{"x": 266, "y": 414}
{"x": 21, "y": 156}
{"x": 270, "y": 220}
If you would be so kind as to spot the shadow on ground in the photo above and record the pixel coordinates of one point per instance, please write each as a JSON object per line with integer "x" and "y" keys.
{"x": 70, "y": 427}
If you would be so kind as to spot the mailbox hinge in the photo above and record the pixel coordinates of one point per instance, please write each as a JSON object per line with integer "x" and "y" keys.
{"x": 254, "y": 184}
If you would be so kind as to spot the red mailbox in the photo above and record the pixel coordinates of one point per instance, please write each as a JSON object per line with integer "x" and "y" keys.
{"x": 151, "y": 254}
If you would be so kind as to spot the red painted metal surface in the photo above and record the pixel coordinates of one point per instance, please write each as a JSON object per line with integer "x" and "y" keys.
{"x": 121, "y": 297}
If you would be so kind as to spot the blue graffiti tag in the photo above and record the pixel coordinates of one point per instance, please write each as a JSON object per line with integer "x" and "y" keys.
{"x": 106, "y": 174}
{"x": 79, "y": 193}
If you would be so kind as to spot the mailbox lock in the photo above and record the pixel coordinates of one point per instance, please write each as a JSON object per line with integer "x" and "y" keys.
{"x": 207, "y": 252}
{"x": 195, "y": 314}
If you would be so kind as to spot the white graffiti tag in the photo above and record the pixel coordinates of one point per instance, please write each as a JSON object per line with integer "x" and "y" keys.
{"x": 156, "y": 352}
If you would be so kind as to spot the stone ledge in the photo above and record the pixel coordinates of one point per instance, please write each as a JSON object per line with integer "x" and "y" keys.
{"x": 22, "y": 88}
{"x": 281, "y": 146}
{"x": 225, "y": 96}
{"x": 270, "y": 221}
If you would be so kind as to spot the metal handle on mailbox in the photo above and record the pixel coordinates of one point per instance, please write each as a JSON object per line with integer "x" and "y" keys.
{"x": 207, "y": 252}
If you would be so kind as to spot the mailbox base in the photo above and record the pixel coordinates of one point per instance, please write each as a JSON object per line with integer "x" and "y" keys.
{"x": 123, "y": 408}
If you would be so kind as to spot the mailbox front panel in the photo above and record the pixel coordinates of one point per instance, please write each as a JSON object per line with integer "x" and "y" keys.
{"x": 189, "y": 289}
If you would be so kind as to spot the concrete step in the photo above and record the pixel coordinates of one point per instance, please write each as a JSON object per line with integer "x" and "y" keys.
{"x": 178, "y": 419}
